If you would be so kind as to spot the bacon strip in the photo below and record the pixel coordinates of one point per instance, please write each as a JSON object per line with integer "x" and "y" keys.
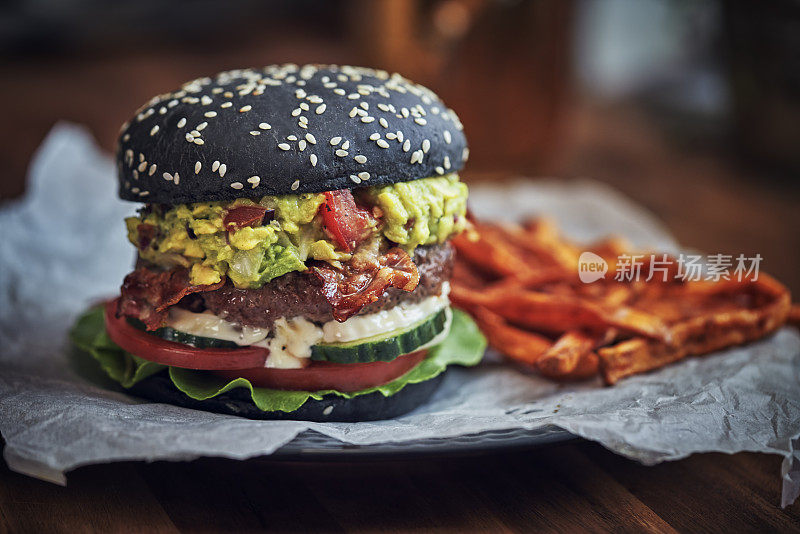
{"x": 242, "y": 216}
{"x": 146, "y": 294}
{"x": 361, "y": 282}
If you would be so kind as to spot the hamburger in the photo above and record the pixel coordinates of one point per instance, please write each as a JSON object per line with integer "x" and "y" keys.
{"x": 293, "y": 250}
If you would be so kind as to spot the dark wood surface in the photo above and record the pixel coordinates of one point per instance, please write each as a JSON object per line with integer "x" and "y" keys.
{"x": 573, "y": 487}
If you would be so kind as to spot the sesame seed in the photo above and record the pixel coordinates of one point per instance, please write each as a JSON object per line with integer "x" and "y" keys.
{"x": 339, "y": 91}
{"x": 420, "y": 121}
{"x": 303, "y": 118}
{"x": 400, "y": 136}
{"x": 142, "y": 166}
{"x": 167, "y": 176}
{"x": 465, "y": 154}
{"x": 182, "y": 122}
{"x": 199, "y": 141}
{"x": 135, "y": 174}
{"x": 144, "y": 193}
{"x": 264, "y": 126}
{"x": 215, "y": 166}
{"x": 335, "y": 140}
{"x": 446, "y": 162}
{"x": 341, "y": 153}
{"x": 255, "y": 180}
{"x": 237, "y": 185}
{"x": 284, "y": 146}
{"x": 301, "y": 145}
{"x": 353, "y": 112}
{"x": 210, "y": 114}
{"x": 404, "y": 112}
{"x": 383, "y": 122}
{"x": 382, "y": 143}
{"x": 311, "y": 139}
{"x": 426, "y": 145}
{"x": 407, "y": 145}
{"x": 176, "y": 179}
{"x": 296, "y": 112}
{"x": 355, "y": 178}
{"x": 154, "y": 130}
{"x": 291, "y": 138}
{"x": 206, "y": 100}
{"x": 222, "y": 170}
{"x": 367, "y": 119}
{"x": 313, "y": 158}
{"x": 416, "y": 157}
{"x": 226, "y": 104}
{"x": 197, "y": 167}
{"x": 439, "y": 170}
{"x": 201, "y": 126}
{"x": 126, "y": 137}
{"x": 152, "y": 170}
{"x": 353, "y": 96}
{"x": 360, "y": 159}
{"x": 189, "y": 137}
{"x": 375, "y": 136}
{"x": 391, "y": 136}
{"x": 295, "y": 185}
{"x": 320, "y": 109}
{"x": 195, "y": 133}
{"x": 447, "y": 137}
{"x": 364, "y": 105}
{"x": 363, "y": 175}
{"x": 255, "y": 132}
{"x": 244, "y": 109}
{"x": 304, "y": 106}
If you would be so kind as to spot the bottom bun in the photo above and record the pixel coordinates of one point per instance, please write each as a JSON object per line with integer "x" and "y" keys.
{"x": 331, "y": 408}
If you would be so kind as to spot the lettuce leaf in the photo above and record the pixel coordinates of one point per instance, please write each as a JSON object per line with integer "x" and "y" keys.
{"x": 464, "y": 345}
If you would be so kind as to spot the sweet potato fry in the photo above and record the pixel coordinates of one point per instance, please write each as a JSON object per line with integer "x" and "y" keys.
{"x": 563, "y": 357}
{"x": 519, "y": 345}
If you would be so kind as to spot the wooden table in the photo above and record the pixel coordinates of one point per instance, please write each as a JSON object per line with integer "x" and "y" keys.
{"x": 573, "y": 487}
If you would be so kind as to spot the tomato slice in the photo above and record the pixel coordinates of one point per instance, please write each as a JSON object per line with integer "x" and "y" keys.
{"x": 347, "y": 223}
{"x": 166, "y": 352}
{"x": 344, "y": 377}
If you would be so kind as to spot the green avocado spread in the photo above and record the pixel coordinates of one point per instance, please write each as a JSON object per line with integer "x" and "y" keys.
{"x": 408, "y": 214}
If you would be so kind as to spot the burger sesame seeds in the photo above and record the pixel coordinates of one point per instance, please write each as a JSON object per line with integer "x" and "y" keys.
{"x": 176, "y": 179}
{"x": 206, "y": 100}
{"x": 320, "y": 109}
{"x": 383, "y": 107}
{"x": 391, "y": 136}
{"x": 382, "y": 143}
{"x": 465, "y": 154}
{"x": 296, "y": 112}
{"x": 254, "y": 180}
{"x": 154, "y": 130}
{"x": 189, "y": 137}
{"x": 363, "y": 175}
{"x": 447, "y": 137}
{"x": 182, "y": 122}
{"x": 353, "y": 112}
{"x": 199, "y": 141}
{"x": 301, "y": 145}
{"x": 264, "y": 126}
{"x": 195, "y": 133}
{"x": 364, "y": 105}
{"x": 353, "y": 96}
{"x": 439, "y": 170}
{"x": 222, "y": 170}
{"x": 416, "y": 156}
{"x": 355, "y": 179}
{"x": 142, "y": 166}
{"x": 400, "y": 136}
{"x": 335, "y": 140}
{"x": 295, "y": 185}
{"x": 407, "y": 145}
{"x": 360, "y": 159}
{"x": 152, "y": 170}
{"x": 375, "y": 136}
{"x": 420, "y": 121}
{"x": 361, "y": 112}
{"x": 284, "y": 146}
{"x": 201, "y": 126}
{"x": 245, "y": 109}
{"x": 210, "y": 114}
{"x": 197, "y": 167}
{"x": 383, "y": 122}
{"x": 426, "y": 145}
{"x": 404, "y": 112}
{"x": 162, "y": 110}
{"x": 215, "y": 166}
{"x": 447, "y": 162}
{"x": 126, "y": 138}
{"x": 346, "y": 145}
{"x": 167, "y": 176}
{"x": 304, "y": 106}
{"x": 237, "y": 185}
{"x": 367, "y": 119}
{"x": 311, "y": 139}
{"x": 135, "y": 174}
{"x": 313, "y": 159}
{"x": 339, "y": 91}
{"x": 226, "y": 104}
{"x": 341, "y": 153}
{"x": 255, "y": 132}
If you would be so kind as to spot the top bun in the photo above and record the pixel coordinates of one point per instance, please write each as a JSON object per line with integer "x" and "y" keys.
{"x": 286, "y": 129}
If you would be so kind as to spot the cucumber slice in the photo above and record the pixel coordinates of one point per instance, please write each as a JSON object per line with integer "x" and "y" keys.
{"x": 385, "y": 347}
{"x": 170, "y": 334}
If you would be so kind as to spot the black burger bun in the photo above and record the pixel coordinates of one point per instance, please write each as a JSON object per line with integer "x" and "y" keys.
{"x": 331, "y": 408}
{"x": 286, "y": 129}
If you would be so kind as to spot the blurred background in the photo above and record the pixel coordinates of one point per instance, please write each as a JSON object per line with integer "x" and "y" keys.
{"x": 690, "y": 108}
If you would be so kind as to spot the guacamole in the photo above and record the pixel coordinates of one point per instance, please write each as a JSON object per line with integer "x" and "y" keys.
{"x": 409, "y": 214}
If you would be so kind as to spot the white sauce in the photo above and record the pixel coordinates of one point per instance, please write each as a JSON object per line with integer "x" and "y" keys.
{"x": 290, "y": 344}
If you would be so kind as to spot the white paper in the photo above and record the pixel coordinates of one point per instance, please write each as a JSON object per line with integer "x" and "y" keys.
{"x": 64, "y": 246}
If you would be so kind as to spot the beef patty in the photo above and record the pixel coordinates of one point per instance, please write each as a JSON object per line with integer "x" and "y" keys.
{"x": 297, "y": 294}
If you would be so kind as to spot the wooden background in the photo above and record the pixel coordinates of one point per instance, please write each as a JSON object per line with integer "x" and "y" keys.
{"x": 504, "y": 68}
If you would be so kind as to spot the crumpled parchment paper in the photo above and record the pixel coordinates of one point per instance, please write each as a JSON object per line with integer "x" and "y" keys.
{"x": 64, "y": 246}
